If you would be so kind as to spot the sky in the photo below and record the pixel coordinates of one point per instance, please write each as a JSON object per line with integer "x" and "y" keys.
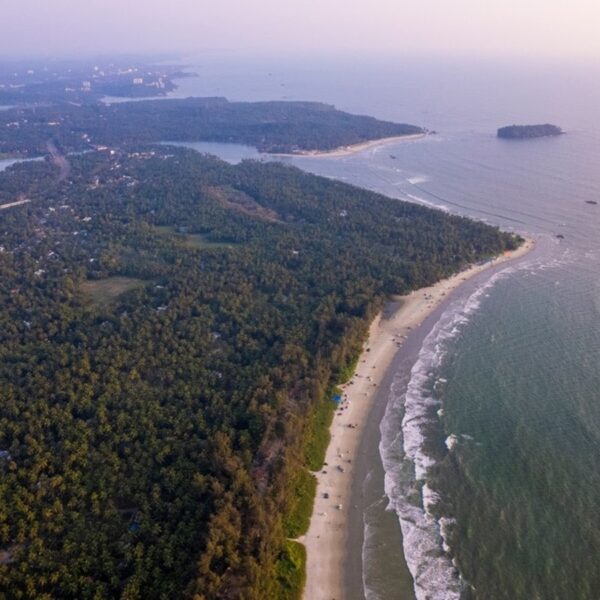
{"x": 546, "y": 29}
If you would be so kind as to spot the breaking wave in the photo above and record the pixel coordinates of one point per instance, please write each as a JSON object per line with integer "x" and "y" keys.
{"x": 421, "y": 200}
{"x": 412, "y": 417}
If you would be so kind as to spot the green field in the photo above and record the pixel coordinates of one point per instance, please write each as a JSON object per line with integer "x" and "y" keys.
{"x": 290, "y": 571}
{"x": 297, "y": 519}
{"x": 104, "y": 291}
{"x": 198, "y": 241}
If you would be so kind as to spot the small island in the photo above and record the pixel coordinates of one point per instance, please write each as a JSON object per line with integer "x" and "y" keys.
{"x": 527, "y": 132}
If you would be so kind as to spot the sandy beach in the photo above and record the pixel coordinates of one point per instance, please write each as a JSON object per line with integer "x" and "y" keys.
{"x": 327, "y": 538}
{"x": 348, "y": 150}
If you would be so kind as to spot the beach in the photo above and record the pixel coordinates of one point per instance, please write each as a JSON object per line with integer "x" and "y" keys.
{"x": 353, "y": 149}
{"x": 334, "y": 538}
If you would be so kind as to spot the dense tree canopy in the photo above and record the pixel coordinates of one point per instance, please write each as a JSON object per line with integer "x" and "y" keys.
{"x": 270, "y": 126}
{"x": 525, "y": 132}
{"x": 147, "y": 435}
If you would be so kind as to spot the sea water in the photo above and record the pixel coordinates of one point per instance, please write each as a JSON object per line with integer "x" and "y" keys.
{"x": 491, "y": 439}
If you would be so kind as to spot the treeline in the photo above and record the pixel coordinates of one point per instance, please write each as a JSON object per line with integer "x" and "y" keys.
{"x": 269, "y": 126}
{"x": 147, "y": 444}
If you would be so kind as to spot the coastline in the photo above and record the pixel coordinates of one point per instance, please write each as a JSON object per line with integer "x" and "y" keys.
{"x": 353, "y": 149}
{"x": 334, "y": 539}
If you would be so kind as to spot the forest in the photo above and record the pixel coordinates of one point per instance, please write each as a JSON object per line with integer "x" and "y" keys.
{"x": 170, "y": 324}
{"x": 275, "y": 127}
{"x": 526, "y": 132}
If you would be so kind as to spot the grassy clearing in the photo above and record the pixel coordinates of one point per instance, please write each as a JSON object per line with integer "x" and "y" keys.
{"x": 290, "y": 571}
{"x": 318, "y": 435}
{"x": 347, "y": 371}
{"x": 196, "y": 241}
{"x": 303, "y": 489}
{"x": 291, "y": 566}
{"x": 237, "y": 200}
{"x": 104, "y": 291}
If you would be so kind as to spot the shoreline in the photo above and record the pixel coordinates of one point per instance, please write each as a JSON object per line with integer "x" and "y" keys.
{"x": 334, "y": 539}
{"x": 353, "y": 149}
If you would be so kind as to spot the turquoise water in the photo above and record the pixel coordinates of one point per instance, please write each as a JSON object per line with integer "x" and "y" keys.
{"x": 491, "y": 440}
{"x": 523, "y": 486}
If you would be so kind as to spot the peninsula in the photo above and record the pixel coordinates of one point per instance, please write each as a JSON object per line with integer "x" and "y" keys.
{"x": 271, "y": 127}
{"x": 172, "y": 332}
{"x": 526, "y": 132}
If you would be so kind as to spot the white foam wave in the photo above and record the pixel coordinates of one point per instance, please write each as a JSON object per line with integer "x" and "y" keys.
{"x": 410, "y": 415}
{"x": 420, "y": 200}
{"x": 446, "y": 525}
{"x": 430, "y": 499}
{"x": 416, "y": 180}
{"x": 451, "y": 442}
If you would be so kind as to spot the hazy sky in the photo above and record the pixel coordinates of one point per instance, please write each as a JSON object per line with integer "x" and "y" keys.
{"x": 532, "y": 28}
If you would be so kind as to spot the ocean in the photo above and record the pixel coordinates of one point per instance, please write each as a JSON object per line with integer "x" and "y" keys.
{"x": 488, "y": 480}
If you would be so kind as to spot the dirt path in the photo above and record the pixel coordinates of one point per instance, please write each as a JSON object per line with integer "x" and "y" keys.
{"x": 60, "y": 161}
